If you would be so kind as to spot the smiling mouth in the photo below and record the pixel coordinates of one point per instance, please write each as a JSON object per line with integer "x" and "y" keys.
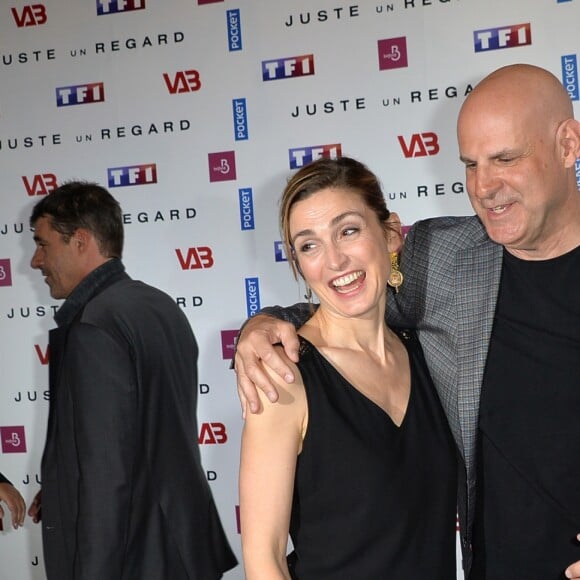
{"x": 499, "y": 208}
{"x": 346, "y": 283}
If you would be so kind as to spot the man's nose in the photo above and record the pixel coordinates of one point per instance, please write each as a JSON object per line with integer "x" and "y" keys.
{"x": 36, "y": 260}
{"x": 486, "y": 182}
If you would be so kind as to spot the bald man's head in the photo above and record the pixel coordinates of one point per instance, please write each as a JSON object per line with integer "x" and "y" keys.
{"x": 519, "y": 141}
{"x": 521, "y": 90}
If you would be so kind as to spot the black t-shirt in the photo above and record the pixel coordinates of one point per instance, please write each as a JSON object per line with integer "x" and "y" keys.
{"x": 528, "y": 508}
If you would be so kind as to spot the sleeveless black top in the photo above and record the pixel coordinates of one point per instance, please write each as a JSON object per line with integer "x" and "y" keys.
{"x": 373, "y": 500}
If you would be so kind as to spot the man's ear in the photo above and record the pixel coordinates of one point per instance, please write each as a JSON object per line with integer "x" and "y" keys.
{"x": 568, "y": 138}
{"x": 82, "y": 238}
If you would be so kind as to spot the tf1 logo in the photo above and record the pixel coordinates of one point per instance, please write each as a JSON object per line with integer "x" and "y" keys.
{"x": 80, "y": 94}
{"x": 301, "y": 156}
{"x": 132, "y": 175}
{"x": 502, "y": 37}
{"x": 30, "y": 15}
{"x": 280, "y": 251}
{"x": 114, "y": 6}
{"x": 289, "y": 67}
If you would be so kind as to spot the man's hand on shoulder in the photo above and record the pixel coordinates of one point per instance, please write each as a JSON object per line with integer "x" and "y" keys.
{"x": 254, "y": 348}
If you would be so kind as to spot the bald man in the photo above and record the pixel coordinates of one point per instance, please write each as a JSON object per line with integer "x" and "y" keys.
{"x": 496, "y": 303}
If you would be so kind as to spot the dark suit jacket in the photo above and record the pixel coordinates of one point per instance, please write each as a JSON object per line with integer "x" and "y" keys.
{"x": 124, "y": 495}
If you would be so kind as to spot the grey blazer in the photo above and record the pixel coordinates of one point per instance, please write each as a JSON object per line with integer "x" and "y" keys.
{"x": 452, "y": 274}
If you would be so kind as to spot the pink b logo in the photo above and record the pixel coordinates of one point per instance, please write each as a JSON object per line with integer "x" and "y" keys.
{"x": 13, "y": 439}
{"x": 393, "y": 53}
{"x": 5, "y": 273}
{"x": 228, "y": 343}
{"x": 222, "y": 166}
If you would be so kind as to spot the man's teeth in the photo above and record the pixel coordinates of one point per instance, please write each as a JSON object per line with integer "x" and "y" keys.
{"x": 498, "y": 208}
{"x": 345, "y": 280}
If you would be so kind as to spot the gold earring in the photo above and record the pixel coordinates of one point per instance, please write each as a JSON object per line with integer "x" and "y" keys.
{"x": 396, "y": 276}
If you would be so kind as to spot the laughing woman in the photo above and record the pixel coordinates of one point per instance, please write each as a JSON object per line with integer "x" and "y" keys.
{"x": 356, "y": 462}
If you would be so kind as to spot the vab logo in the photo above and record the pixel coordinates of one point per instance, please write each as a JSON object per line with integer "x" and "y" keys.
{"x": 132, "y": 175}
{"x": 80, "y": 94}
{"x": 40, "y": 184}
{"x": 5, "y": 272}
{"x": 392, "y": 53}
{"x": 301, "y": 156}
{"x": 31, "y": 15}
{"x": 229, "y": 343}
{"x": 212, "y": 434}
{"x": 195, "y": 258}
{"x": 114, "y": 6}
{"x": 222, "y": 166}
{"x": 502, "y": 37}
{"x": 286, "y": 68}
{"x": 43, "y": 355}
{"x": 184, "y": 81}
{"x": 420, "y": 145}
{"x": 13, "y": 439}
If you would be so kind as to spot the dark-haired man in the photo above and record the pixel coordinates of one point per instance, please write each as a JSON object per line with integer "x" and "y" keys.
{"x": 123, "y": 492}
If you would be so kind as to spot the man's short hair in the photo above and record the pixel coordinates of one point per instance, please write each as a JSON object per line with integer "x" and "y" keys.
{"x": 83, "y": 204}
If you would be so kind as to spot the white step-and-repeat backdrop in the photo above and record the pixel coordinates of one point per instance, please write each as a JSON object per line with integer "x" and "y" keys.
{"x": 194, "y": 113}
